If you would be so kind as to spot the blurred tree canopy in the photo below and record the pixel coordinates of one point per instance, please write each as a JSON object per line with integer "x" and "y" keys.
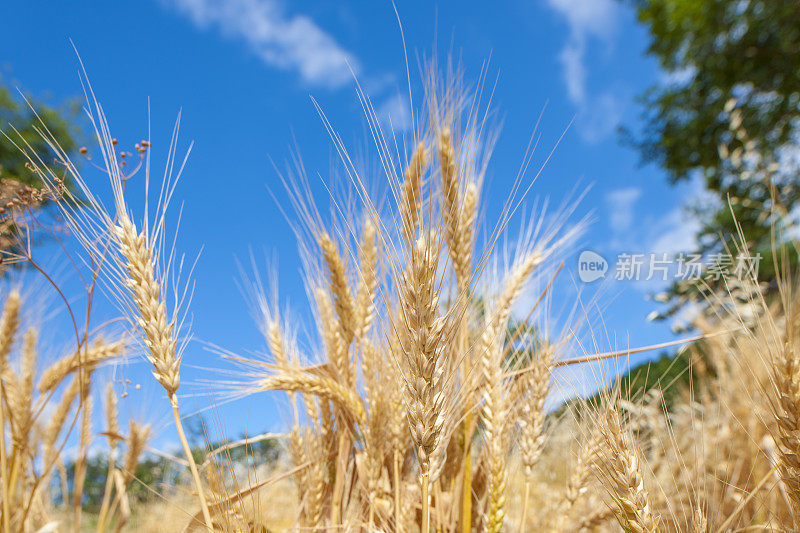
{"x": 158, "y": 474}
{"x": 20, "y": 120}
{"x": 17, "y": 114}
{"x": 728, "y": 114}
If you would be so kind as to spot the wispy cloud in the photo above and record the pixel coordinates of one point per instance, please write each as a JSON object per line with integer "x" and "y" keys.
{"x": 621, "y": 203}
{"x": 288, "y": 42}
{"x": 395, "y": 113}
{"x": 676, "y": 233}
{"x": 588, "y": 21}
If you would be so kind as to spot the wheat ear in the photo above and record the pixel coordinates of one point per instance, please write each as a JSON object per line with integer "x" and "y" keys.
{"x": 410, "y": 193}
{"x": 20, "y": 392}
{"x": 156, "y": 328}
{"x": 97, "y": 353}
{"x": 787, "y": 380}
{"x": 423, "y": 344}
{"x": 344, "y": 305}
{"x": 54, "y": 426}
{"x": 368, "y": 263}
{"x": 138, "y": 435}
{"x": 535, "y": 387}
{"x": 9, "y": 324}
{"x": 337, "y": 278}
{"x": 323, "y": 387}
{"x": 462, "y": 258}
{"x": 458, "y": 216}
{"x": 620, "y": 472}
{"x": 578, "y": 478}
{"x": 494, "y": 417}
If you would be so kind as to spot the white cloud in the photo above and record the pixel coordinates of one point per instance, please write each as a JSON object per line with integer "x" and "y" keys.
{"x": 599, "y": 118}
{"x": 571, "y": 58}
{"x": 293, "y": 43}
{"x": 677, "y": 233}
{"x": 621, "y": 204}
{"x": 395, "y": 113}
{"x": 587, "y": 19}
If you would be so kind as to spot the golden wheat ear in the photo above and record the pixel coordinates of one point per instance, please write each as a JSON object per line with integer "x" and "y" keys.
{"x": 619, "y": 470}
{"x": 786, "y": 376}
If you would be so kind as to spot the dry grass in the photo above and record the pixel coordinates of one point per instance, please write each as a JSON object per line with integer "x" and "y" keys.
{"x": 420, "y": 406}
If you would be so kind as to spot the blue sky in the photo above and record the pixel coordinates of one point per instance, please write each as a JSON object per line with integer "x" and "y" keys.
{"x": 243, "y": 72}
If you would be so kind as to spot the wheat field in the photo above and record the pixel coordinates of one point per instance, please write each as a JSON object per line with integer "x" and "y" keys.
{"x": 423, "y": 403}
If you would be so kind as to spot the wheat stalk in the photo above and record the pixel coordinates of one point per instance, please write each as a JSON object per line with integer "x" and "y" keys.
{"x": 156, "y": 328}
{"x": 113, "y": 434}
{"x": 79, "y": 473}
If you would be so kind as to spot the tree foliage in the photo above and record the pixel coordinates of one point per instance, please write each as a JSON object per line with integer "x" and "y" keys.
{"x": 26, "y": 116}
{"x": 24, "y": 198}
{"x": 728, "y": 114}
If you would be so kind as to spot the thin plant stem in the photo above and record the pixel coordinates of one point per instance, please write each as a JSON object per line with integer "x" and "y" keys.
{"x": 439, "y": 518}
{"x": 371, "y": 521}
{"x": 3, "y": 465}
{"x": 466, "y": 486}
{"x": 525, "y": 505}
{"x": 398, "y": 522}
{"x": 12, "y": 480}
{"x": 426, "y": 512}
{"x": 192, "y": 465}
{"x": 101, "y": 519}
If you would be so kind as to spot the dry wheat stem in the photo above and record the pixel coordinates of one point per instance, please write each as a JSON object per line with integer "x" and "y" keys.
{"x": 79, "y": 474}
{"x": 156, "y": 327}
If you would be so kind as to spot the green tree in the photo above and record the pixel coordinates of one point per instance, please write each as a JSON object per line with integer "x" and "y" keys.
{"x": 728, "y": 113}
{"x": 20, "y": 123}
